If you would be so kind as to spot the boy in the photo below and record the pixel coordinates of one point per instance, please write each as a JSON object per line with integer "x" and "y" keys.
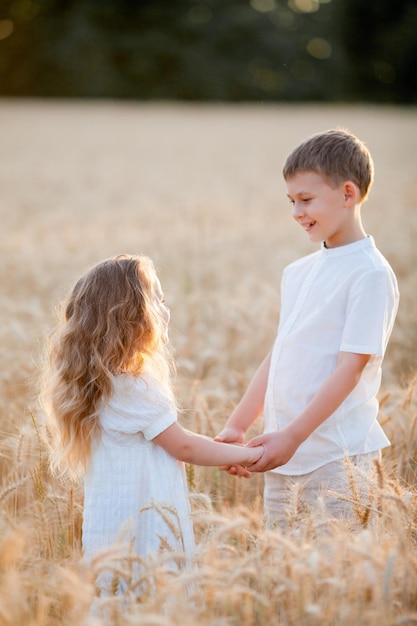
{"x": 317, "y": 387}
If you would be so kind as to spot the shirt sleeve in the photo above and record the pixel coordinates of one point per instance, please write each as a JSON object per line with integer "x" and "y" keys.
{"x": 370, "y": 313}
{"x": 139, "y": 405}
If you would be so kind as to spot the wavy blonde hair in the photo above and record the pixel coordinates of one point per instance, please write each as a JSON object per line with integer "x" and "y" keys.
{"x": 111, "y": 323}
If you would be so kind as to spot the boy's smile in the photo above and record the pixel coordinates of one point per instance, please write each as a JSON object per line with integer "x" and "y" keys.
{"x": 327, "y": 213}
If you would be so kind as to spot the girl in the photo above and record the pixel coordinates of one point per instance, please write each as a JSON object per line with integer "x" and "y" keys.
{"x": 111, "y": 414}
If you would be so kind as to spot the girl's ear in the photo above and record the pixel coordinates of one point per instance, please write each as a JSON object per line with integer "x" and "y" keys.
{"x": 351, "y": 193}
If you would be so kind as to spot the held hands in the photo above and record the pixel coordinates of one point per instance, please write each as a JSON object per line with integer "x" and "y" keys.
{"x": 233, "y": 435}
{"x": 279, "y": 447}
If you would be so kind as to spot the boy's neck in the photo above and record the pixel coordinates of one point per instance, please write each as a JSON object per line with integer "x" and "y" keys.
{"x": 353, "y": 231}
{"x": 345, "y": 243}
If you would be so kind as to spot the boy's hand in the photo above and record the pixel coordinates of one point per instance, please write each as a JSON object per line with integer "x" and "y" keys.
{"x": 233, "y": 435}
{"x": 279, "y": 448}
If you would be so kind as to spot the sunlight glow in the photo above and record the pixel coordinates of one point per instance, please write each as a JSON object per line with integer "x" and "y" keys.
{"x": 304, "y": 6}
{"x": 6, "y": 28}
{"x": 319, "y": 48}
{"x": 263, "y": 6}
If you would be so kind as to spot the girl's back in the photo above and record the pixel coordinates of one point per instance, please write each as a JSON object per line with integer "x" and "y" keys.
{"x": 128, "y": 472}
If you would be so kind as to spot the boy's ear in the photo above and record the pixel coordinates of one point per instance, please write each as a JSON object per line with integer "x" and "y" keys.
{"x": 351, "y": 193}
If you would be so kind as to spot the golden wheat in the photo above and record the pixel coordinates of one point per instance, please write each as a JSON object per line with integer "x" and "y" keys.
{"x": 197, "y": 188}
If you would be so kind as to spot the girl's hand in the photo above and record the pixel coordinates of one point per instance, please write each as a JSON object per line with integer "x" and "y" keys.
{"x": 237, "y": 470}
{"x": 229, "y": 434}
{"x": 259, "y": 450}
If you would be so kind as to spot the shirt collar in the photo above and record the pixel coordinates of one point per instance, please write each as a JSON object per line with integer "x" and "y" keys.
{"x": 362, "y": 244}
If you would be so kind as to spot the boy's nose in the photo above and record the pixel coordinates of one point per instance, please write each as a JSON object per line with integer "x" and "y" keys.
{"x": 297, "y": 210}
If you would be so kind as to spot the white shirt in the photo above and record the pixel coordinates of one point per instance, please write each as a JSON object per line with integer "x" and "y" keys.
{"x": 130, "y": 477}
{"x": 342, "y": 299}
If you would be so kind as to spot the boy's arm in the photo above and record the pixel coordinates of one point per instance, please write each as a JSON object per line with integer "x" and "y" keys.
{"x": 249, "y": 408}
{"x": 280, "y": 446}
{"x": 246, "y": 412}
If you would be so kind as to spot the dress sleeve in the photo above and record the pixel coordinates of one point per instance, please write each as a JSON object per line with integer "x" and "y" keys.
{"x": 139, "y": 405}
{"x": 370, "y": 313}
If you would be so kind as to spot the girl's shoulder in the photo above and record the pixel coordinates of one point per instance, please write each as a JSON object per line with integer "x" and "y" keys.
{"x": 137, "y": 404}
{"x": 144, "y": 389}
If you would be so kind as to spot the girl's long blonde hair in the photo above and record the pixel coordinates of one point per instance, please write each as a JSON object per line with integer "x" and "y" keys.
{"x": 111, "y": 323}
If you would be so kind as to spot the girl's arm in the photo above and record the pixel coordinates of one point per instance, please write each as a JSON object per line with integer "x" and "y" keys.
{"x": 249, "y": 408}
{"x": 280, "y": 446}
{"x": 200, "y": 450}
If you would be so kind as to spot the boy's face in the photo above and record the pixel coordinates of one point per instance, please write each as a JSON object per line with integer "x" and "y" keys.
{"x": 320, "y": 209}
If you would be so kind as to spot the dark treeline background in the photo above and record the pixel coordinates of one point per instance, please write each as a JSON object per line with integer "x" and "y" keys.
{"x": 229, "y": 50}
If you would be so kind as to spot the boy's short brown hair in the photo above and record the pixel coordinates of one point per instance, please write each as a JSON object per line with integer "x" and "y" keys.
{"x": 337, "y": 155}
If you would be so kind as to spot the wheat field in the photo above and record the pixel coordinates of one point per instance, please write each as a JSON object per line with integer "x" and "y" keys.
{"x": 198, "y": 188}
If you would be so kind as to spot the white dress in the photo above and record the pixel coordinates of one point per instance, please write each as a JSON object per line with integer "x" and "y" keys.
{"x": 135, "y": 493}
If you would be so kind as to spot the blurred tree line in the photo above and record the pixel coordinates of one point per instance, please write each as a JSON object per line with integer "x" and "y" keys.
{"x": 230, "y": 50}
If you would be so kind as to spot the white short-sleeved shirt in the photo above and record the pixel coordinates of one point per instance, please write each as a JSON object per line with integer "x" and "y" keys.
{"x": 342, "y": 299}
{"x": 129, "y": 472}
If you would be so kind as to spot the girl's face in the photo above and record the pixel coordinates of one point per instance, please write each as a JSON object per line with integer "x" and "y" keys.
{"x": 160, "y": 302}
